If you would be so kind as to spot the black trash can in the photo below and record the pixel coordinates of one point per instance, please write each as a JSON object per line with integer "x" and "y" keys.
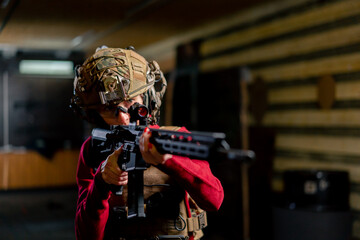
{"x": 315, "y": 206}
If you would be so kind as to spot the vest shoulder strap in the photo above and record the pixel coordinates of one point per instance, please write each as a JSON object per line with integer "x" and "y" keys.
{"x": 196, "y": 221}
{"x": 170, "y": 128}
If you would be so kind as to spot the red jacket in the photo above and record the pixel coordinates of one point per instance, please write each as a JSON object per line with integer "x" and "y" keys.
{"x": 92, "y": 213}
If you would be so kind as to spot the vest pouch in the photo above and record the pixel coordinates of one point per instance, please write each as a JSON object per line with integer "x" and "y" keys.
{"x": 164, "y": 204}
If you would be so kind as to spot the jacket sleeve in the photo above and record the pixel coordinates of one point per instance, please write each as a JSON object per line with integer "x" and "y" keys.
{"x": 196, "y": 178}
{"x": 92, "y": 205}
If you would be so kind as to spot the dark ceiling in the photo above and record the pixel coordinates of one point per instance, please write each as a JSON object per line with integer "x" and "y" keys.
{"x": 85, "y": 25}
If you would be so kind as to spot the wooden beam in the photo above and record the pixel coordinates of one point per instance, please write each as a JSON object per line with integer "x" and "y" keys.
{"x": 315, "y": 143}
{"x": 308, "y": 93}
{"x": 285, "y": 48}
{"x": 295, "y": 94}
{"x": 161, "y": 48}
{"x": 312, "y": 17}
{"x": 305, "y": 69}
{"x": 313, "y": 118}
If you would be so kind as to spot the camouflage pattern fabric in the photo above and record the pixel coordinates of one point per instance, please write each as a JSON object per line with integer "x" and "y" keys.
{"x": 113, "y": 75}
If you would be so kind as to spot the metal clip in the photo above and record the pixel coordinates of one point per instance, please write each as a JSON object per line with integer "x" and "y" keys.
{"x": 202, "y": 220}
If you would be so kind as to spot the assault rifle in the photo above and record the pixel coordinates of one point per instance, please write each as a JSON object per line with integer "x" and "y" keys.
{"x": 196, "y": 145}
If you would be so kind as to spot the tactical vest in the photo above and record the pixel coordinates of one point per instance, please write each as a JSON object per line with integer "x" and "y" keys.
{"x": 165, "y": 208}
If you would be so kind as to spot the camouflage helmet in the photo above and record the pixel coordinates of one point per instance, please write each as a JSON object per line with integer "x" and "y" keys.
{"x": 113, "y": 75}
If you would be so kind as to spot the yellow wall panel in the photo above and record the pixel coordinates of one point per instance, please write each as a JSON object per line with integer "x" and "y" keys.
{"x": 304, "y": 69}
{"x": 285, "y": 48}
{"x": 356, "y": 229}
{"x": 312, "y": 118}
{"x": 308, "y": 93}
{"x": 355, "y": 201}
{"x": 292, "y": 94}
{"x": 290, "y": 56}
{"x": 31, "y": 170}
{"x": 348, "y": 91}
{"x": 294, "y": 22}
{"x": 315, "y": 143}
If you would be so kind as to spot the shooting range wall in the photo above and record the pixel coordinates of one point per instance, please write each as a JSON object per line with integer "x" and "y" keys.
{"x": 304, "y": 56}
{"x": 40, "y": 136}
{"x": 29, "y": 169}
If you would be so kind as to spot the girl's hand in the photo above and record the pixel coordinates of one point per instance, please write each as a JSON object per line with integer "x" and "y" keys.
{"x": 111, "y": 172}
{"x": 149, "y": 152}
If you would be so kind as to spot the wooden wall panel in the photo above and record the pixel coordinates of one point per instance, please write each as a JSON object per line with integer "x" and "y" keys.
{"x": 348, "y": 91}
{"x": 312, "y": 17}
{"x": 355, "y": 201}
{"x": 297, "y": 94}
{"x": 356, "y": 228}
{"x": 29, "y": 169}
{"x": 312, "y": 117}
{"x": 305, "y": 69}
{"x": 291, "y": 51}
{"x": 315, "y": 143}
{"x": 308, "y": 93}
{"x": 284, "y": 48}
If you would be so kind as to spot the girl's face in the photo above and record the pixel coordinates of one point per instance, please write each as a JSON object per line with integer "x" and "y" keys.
{"x": 110, "y": 117}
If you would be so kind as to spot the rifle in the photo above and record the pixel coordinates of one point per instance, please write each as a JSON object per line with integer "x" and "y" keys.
{"x": 196, "y": 145}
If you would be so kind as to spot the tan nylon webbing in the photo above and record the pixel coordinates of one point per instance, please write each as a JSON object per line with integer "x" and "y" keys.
{"x": 170, "y": 128}
{"x": 131, "y": 69}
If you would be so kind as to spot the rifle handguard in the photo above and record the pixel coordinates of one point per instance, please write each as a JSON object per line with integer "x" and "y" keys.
{"x": 196, "y": 145}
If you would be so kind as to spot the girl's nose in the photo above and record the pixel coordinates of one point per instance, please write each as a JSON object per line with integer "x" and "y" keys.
{"x": 123, "y": 118}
